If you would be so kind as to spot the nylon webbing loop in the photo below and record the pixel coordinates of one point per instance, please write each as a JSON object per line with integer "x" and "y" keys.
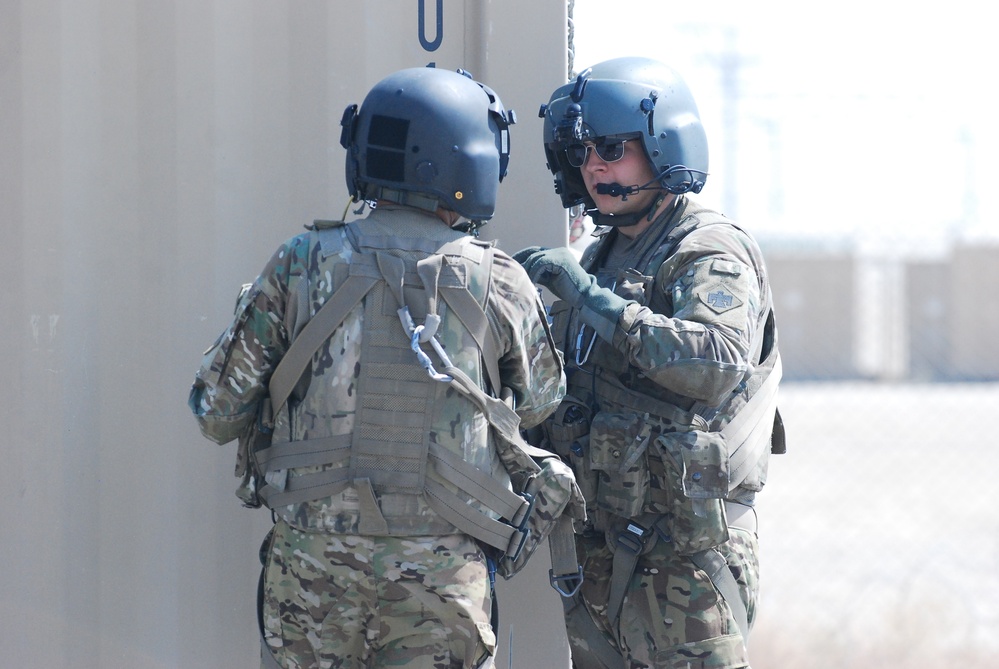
{"x": 566, "y": 574}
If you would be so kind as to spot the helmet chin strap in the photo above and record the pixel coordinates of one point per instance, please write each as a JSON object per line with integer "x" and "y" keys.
{"x": 634, "y": 218}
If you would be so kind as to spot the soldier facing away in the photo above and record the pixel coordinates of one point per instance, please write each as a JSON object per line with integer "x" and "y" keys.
{"x": 362, "y": 375}
{"x": 670, "y": 346}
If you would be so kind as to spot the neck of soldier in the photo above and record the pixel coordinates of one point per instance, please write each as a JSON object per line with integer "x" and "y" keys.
{"x": 449, "y": 217}
{"x": 662, "y": 203}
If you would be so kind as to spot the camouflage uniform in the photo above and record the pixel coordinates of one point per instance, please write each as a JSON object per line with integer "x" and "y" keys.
{"x": 640, "y": 425}
{"x": 417, "y": 593}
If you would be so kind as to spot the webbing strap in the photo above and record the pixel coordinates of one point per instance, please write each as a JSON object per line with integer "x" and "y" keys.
{"x": 306, "y": 488}
{"x": 393, "y": 268}
{"x": 646, "y": 404}
{"x": 710, "y": 561}
{"x": 429, "y": 269}
{"x": 465, "y": 307}
{"x": 477, "y": 483}
{"x": 470, "y": 313}
{"x": 631, "y": 543}
{"x": 312, "y": 336}
{"x": 309, "y": 452}
{"x": 752, "y": 427}
{"x": 714, "y": 565}
{"x": 602, "y": 653}
{"x": 372, "y": 521}
{"x": 566, "y": 574}
{"x": 496, "y": 533}
{"x": 506, "y": 422}
{"x": 501, "y": 417}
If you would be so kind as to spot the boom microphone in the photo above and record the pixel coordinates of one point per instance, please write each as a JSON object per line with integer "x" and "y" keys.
{"x": 616, "y": 190}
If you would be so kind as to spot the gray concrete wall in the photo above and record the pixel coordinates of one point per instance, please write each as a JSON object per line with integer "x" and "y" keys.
{"x": 152, "y": 154}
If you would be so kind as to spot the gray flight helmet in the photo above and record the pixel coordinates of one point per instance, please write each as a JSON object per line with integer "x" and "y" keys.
{"x": 631, "y": 97}
{"x": 426, "y": 137}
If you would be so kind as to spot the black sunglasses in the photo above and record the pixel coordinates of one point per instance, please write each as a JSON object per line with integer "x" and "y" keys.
{"x": 610, "y": 150}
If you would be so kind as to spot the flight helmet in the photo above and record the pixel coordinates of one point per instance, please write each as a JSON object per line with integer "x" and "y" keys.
{"x": 626, "y": 98}
{"x": 427, "y": 137}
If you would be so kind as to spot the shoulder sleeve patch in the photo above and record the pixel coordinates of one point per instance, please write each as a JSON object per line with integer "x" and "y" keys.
{"x": 718, "y": 297}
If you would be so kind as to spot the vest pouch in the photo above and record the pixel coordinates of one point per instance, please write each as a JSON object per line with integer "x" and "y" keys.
{"x": 568, "y": 434}
{"x": 618, "y": 444}
{"x": 554, "y": 492}
{"x": 696, "y": 466}
{"x": 569, "y": 424}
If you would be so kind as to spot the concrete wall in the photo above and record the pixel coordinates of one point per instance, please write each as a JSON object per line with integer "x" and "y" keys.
{"x": 152, "y": 154}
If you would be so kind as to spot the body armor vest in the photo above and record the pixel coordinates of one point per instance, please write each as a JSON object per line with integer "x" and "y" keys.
{"x": 608, "y": 389}
{"x": 430, "y": 451}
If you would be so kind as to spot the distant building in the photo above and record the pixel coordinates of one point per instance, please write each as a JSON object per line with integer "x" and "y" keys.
{"x": 843, "y": 316}
{"x": 928, "y": 308}
{"x": 815, "y": 306}
{"x": 969, "y": 313}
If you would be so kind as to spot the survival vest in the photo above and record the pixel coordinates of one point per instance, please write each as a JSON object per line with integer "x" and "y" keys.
{"x": 623, "y": 428}
{"x": 390, "y": 448}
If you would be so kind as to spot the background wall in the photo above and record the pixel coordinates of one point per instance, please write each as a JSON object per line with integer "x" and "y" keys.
{"x": 152, "y": 155}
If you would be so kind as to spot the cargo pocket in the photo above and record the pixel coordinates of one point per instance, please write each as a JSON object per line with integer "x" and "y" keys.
{"x": 568, "y": 435}
{"x": 696, "y": 465}
{"x": 618, "y": 444}
{"x": 568, "y": 425}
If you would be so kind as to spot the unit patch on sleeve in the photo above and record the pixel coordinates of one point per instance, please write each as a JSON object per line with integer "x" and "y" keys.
{"x": 718, "y": 297}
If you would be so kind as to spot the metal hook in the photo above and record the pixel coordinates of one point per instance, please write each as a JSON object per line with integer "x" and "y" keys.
{"x": 424, "y": 359}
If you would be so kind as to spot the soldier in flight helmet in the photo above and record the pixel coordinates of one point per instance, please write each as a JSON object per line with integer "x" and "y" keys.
{"x": 667, "y": 329}
{"x": 429, "y": 138}
{"x": 362, "y": 376}
{"x": 622, "y": 100}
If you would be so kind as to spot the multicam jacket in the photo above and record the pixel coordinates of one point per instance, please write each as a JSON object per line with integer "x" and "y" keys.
{"x": 643, "y": 419}
{"x": 300, "y": 277}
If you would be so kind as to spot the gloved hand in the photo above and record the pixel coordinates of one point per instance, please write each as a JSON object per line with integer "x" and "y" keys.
{"x": 523, "y": 254}
{"x": 558, "y": 270}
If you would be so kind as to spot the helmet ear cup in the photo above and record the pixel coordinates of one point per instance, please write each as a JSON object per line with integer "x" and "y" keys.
{"x": 348, "y": 127}
{"x": 428, "y": 138}
{"x": 627, "y": 96}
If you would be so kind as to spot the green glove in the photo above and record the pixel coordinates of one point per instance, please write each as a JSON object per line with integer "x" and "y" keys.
{"x": 559, "y": 271}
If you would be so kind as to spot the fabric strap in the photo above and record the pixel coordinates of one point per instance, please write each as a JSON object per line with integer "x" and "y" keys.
{"x": 638, "y": 539}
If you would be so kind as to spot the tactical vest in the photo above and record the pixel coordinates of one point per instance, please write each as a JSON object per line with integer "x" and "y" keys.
{"x": 455, "y": 480}
{"x": 647, "y": 449}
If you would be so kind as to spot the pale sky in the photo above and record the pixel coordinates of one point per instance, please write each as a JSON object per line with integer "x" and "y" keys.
{"x": 870, "y": 121}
